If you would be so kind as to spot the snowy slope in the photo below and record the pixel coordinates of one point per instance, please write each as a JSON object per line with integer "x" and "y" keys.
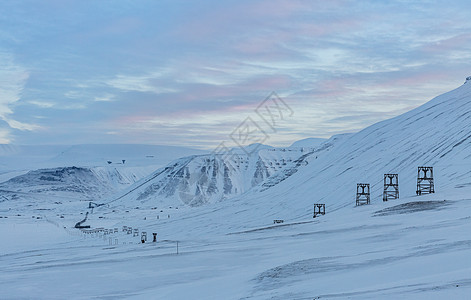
{"x": 203, "y": 179}
{"x": 397, "y": 250}
{"x": 416, "y": 247}
{"x": 82, "y": 171}
{"x": 77, "y": 182}
{"x": 308, "y": 143}
{"x": 436, "y": 134}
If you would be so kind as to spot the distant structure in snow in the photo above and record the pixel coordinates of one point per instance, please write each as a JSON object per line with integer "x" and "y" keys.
{"x": 468, "y": 79}
{"x": 143, "y": 237}
{"x": 363, "y": 194}
{"x": 319, "y": 209}
{"x": 93, "y": 204}
{"x": 391, "y": 187}
{"x": 79, "y": 224}
{"x": 425, "y": 180}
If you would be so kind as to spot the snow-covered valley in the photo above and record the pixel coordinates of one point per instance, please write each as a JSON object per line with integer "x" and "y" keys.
{"x": 354, "y": 253}
{"x": 221, "y": 211}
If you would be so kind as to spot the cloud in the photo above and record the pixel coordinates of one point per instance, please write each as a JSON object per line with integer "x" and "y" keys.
{"x": 41, "y": 104}
{"x": 12, "y": 81}
{"x": 168, "y": 72}
{"x": 22, "y": 126}
{"x": 73, "y": 94}
{"x": 107, "y": 97}
{"x": 143, "y": 83}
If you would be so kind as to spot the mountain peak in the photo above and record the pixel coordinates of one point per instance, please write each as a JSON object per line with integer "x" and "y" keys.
{"x": 252, "y": 148}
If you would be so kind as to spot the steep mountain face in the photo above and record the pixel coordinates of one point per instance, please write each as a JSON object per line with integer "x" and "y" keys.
{"x": 76, "y": 182}
{"x": 436, "y": 134}
{"x": 202, "y": 179}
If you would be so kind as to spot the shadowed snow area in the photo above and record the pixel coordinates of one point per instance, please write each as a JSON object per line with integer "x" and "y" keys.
{"x": 412, "y": 207}
{"x": 219, "y": 211}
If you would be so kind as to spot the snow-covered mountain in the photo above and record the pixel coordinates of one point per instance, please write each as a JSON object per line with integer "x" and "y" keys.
{"x": 202, "y": 179}
{"x": 73, "y": 182}
{"x": 434, "y": 134}
{"x": 415, "y": 247}
{"x": 82, "y": 171}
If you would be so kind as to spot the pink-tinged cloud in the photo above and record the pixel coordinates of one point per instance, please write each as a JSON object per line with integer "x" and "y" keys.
{"x": 169, "y": 64}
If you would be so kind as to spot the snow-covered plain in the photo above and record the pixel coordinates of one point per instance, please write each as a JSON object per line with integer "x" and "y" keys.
{"x": 416, "y": 247}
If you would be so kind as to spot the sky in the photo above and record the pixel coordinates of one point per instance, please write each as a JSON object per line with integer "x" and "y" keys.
{"x": 202, "y": 73}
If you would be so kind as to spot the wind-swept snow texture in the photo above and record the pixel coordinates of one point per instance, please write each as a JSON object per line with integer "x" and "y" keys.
{"x": 415, "y": 247}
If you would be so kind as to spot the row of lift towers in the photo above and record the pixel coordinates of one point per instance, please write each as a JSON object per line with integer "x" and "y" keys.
{"x": 391, "y": 189}
{"x": 425, "y": 185}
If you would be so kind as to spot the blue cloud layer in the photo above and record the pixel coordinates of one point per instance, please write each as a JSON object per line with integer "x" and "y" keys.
{"x": 187, "y": 72}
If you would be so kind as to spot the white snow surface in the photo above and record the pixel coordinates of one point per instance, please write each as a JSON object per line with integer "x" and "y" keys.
{"x": 308, "y": 143}
{"x": 416, "y": 247}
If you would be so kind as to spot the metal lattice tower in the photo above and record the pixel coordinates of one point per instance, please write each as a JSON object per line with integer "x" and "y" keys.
{"x": 425, "y": 180}
{"x": 319, "y": 209}
{"x": 391, "y": 187}
{"x": 363, "y": 193}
